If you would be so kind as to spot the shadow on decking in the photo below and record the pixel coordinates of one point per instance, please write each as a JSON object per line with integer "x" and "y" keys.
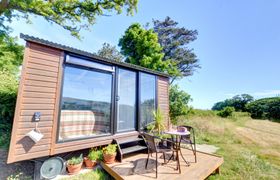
{"x": 133, "y": 167}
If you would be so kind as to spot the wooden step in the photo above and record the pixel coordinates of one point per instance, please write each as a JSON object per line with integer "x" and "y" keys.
{"x": 124, "y": 141}
{"x": 133, "y": 149}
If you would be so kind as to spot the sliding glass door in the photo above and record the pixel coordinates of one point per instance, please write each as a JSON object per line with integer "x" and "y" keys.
{"x": 126, "y": 100}
{"x": 147, "y": 99}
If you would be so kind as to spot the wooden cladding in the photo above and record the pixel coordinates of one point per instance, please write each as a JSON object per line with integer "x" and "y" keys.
{"x": 40, "y": 91}
{"x": 163, "y": 97}
{"x": 39, "y": 84}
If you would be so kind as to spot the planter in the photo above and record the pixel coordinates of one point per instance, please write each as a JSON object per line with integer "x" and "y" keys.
{"x": 74, "y": 169}
{"x": 109, "y": 158}
{"x": 89, "y": 163}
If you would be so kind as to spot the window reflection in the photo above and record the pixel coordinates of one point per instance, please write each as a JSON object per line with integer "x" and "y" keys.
{"x": 86, "y": 103}
{"x": 127, "y": 100}
{"x": 147, "y": 98}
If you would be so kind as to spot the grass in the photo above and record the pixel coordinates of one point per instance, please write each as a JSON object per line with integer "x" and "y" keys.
{"x": 95, "y": 174}
{"x": 251, "y": 148}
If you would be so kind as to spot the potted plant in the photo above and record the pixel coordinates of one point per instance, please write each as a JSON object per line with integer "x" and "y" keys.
{"x": 158, "y": 124}
{"x": 94, "y": 155}
{"x": 109, "y": 153}
{"x": 74, "y": 164}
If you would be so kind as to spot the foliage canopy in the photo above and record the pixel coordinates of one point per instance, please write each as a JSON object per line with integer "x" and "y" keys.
{"x": 8, "y": 94}
{"x": 178, "y": 102}
{"x": 110, "y": 52}
{"x": 238, "y": 102}
{"x": 72, "y": 15}
{"x": 266, "y": 108}
{"x": 175, "y": 41}
{"x": 141, "y": 47}
{"x": 11, "y": 54}
{"x": 226, "y": 112}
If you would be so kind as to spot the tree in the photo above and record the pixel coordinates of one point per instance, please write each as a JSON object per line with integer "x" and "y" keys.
{"x": 222, "y": 104}
{"x": 265, "y": 108}
{"x": 238, "y": 102}
{"x": 174, "y": 41}
{"x": 72, "y": 15}
{"x": 8, "y": 93}
{"x": 11, "y": 54}
{"x": 110, "y": 52}
{"x": 141, "y": 47}
{"x": 178, "y": 103}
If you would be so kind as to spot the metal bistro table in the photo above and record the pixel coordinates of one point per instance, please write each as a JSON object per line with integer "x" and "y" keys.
{"x": 178, "y": 138}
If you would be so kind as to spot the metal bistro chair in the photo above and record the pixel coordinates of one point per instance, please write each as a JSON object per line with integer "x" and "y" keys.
{"x": 190, "y": 139}
{"x": 152, "y": 147}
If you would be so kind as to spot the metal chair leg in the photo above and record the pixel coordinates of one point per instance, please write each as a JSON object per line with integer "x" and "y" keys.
{"x": 195, "y": 153}
{"x": 147, "y": 160}
{"x": 156, "y": 165}
{"x": 178, "y": 162}
{"x": 184, "y": 158}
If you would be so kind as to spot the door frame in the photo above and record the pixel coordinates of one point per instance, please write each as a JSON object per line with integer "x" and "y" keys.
{"x": 116, "y": 94}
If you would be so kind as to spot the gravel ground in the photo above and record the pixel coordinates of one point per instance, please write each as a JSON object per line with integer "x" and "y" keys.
{"x": 21, "y": 170}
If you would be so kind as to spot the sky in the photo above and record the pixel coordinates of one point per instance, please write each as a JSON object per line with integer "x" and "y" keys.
{"x": 237, "y": 44}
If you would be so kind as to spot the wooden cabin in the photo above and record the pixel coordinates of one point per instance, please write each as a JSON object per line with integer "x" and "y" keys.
{"x": 79, "y": 100}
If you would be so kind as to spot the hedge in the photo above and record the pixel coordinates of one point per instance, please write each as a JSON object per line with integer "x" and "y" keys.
{"x": 266, "y": 108}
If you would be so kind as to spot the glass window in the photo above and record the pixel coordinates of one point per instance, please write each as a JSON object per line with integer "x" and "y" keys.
{"x": 86, "y": 63}
{"x": 126, "y": 100}
{"x": 86, "y": 103}
{"x": 147, "y": 98}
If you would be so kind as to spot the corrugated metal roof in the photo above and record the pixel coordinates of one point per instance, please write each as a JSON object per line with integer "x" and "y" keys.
{"x": 88, "y": 54}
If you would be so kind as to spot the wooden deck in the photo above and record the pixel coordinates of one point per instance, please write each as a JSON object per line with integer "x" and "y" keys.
{"x": 133, "y": 167}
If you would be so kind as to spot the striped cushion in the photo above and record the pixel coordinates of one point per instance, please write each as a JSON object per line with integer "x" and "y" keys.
{"x": 82, "y": 123}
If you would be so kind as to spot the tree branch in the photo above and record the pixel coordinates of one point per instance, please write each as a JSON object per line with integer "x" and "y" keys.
{"x": 3, "y": 5}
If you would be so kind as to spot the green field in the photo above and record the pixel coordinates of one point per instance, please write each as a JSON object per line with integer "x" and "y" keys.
{"x": 251, "y": 148}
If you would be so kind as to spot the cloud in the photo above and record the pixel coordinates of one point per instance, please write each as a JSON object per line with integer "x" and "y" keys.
{"x": 266, "y": 93}
{"x": 231, "y": 94}
{"x": 257, "y": 94}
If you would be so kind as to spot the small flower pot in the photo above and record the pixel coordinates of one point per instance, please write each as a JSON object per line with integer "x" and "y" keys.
{"x": 89, "y": 163}
{"x": 74, "y": 169}
{"x": 109, "y": 158}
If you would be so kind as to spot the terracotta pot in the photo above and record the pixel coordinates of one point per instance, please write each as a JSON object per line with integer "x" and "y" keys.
{"x": 74, "y": 169}
{"x": 109, "y": 158}
{"x": 89, "y": 163}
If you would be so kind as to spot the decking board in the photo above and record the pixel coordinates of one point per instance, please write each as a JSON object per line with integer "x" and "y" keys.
{"x": 133, "y": 167}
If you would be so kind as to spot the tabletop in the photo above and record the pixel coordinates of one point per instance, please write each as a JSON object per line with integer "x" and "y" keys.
{"x": 177, "y": 133}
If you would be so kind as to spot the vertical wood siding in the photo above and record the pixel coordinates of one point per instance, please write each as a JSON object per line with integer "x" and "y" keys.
{"x": 38, "y": 92}
{"x": 163, "y": 97}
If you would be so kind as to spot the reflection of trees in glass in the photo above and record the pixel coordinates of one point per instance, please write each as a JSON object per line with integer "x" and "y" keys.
{"x": 147, "y": 95}
{"x": 127, "y": 117}
{"x": 147, "y": 108}
{"x": 80, "y": 104}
